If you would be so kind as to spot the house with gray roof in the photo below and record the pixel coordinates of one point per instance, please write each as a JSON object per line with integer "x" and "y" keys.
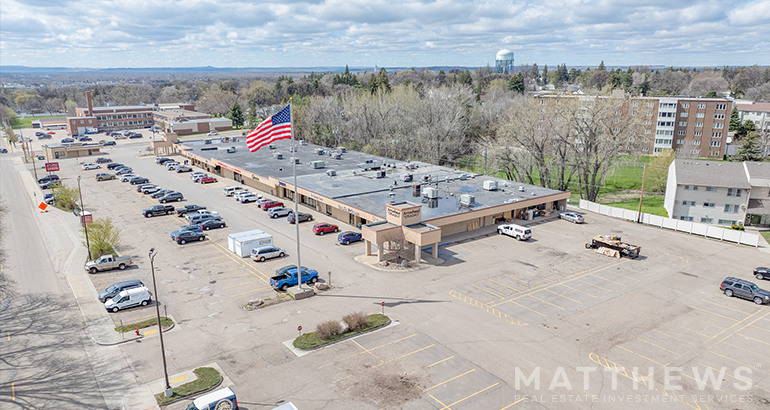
{"x": 719, "y": 193}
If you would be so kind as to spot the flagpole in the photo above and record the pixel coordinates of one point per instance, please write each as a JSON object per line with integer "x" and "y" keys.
{"x": 296, "y": 192}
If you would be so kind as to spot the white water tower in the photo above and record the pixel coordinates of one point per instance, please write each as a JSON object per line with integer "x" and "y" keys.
{"x": 504, "y": 61}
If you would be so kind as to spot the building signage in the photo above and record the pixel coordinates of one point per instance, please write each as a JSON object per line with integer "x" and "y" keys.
{"x": 411, "y": 213}
{"x": 229, "y": 167}
{"x": 51, "y": 166}
{"x": 394, "y": 212}
{"x": 281, "y": 183}
{"x": 316, "y": 197}
{"x": 346, "y": 209}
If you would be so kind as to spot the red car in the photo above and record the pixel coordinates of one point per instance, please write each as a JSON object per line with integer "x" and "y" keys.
{"x": 322, "y": 228}
{"x": 206, "y": 180}
{"x": 270, "y": 204}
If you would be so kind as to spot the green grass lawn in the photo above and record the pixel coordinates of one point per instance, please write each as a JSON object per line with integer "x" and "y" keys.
{"x": 208, "y": 377}
{"x": 650, "y": 205}
{"x": 766, "y": 235}
{"x": 310, "y": 340}
{"x": 164, "y": 321}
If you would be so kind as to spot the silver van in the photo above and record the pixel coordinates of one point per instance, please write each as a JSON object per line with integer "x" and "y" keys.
{"x": 266, "y": 252}
{"x": 220, "y": 399}
{"x": 198, "y": 218}
{"x": 116, "y": 288}
{"x": 128, "y": 298}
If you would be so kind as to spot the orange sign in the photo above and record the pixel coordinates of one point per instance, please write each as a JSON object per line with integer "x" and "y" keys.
{"x": 42, "y": 206}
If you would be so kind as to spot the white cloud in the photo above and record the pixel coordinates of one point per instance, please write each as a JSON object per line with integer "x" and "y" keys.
{"x": 368, "y": 32}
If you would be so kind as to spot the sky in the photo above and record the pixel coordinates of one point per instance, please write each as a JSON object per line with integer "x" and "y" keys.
{"x": 383, "y": 33}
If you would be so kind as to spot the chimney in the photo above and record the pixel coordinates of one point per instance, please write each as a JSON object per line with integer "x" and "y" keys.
{"x": 90, "y": 103}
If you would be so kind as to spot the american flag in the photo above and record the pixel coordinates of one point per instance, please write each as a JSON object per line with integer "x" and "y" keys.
{"x": 276, "y": 127}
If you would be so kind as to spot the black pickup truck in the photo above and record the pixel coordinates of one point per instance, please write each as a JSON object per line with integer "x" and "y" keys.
{"x": 188, "y": 209}
{"x": 158, "y": 210}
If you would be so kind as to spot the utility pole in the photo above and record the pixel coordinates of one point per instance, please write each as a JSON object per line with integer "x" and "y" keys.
{"x": 82, "y": 220}
{"x": 168, "y": 392}
{"x": 641, "y": 194}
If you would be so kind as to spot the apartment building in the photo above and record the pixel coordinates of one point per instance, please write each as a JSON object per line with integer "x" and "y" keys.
{"x": 758, "y": 113}
{"x": 693, "y": 127}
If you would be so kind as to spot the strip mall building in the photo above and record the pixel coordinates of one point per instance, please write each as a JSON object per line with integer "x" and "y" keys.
{"x": 401, "y": 207}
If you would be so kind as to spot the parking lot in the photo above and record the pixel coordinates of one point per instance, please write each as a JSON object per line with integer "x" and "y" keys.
{"x": 494, "y": 307}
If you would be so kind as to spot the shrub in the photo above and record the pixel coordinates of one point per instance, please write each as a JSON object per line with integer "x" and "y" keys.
{"x": 328, "y": 329}
{"x": 356, "y": 320}
{"x": 103, "y": 237}
{"x": 65, "y": 196}
{"x": 738, "y": 227}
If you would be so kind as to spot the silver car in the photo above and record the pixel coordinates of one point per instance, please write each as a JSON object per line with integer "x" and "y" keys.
{"x": 266, "y": 252}
{"x": 278, "y": 211}
{"x": 573, "y": 217}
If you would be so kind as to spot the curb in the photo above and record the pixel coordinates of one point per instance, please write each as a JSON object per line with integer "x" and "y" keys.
{"x": 173, "y": 325}
{"x": 178, "y": 399}
{"x": 302, "y": 352}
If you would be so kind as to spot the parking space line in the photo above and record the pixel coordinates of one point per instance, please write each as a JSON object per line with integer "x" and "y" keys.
{"x": 509, "y": 287}
{"x": 717, "y": 371}
{"x": 241, "y": 284}
{"x": 367, "y": 351}
{"x": 447, "y": 381}
{"x": 374, "y": 348}
{"x": 439, "y": 401}
{"x": 557, "y": 294}
{"x": 627, "y": 277}
{"x": 653, "y": 344}
{"x": 643, "y": 357}
{"x": 539, "y": 313}
{"x": 617, "y": 368}
{"x": 217, "y": 264}
{"x": 511, "y": 405}
{"x": 715, "y": 314}
{"x": 578, "y": 290}
{"x": 730, "y": 358}
{"x": 545, "y": 301}
{"x": 263, "y": 276}
{"x": 118, "y": 277}
{"x": 232, "y": 269}
{"x": 411, "y": 353}
{"x": 253, "y": 290}
{"x": 487, "y": 308}
{"x": 610, "y": 280}
{"x": 440, "y": 361}
{"x": 490, "y": 292}
{"x": 591, "y": 284}
{"x": 448, "y": 406}
{"x": 753, "y": 352}
{"x": 672, "y": 337}
{"x": 236, "y": 276}
{"x": 725, "y": 307}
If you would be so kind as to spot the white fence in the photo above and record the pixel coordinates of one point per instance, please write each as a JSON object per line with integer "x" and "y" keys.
{"x": 674, "y": 224}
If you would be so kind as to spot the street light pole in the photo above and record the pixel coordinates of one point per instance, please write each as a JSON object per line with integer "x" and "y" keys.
{"x": 169, "y": 392}
{"x": 82, "y": 220}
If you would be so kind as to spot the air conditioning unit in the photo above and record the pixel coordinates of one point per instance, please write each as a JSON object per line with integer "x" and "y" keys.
{"x": 342, "y": 149}
{"x": 302, "y": 143}
{"x": 521, "y": 189}
{"x": 430, "y": 193}
{"x": 463, "y": 177}
{"x": 379, "y": 174}
{"x": 277, "y": 155}
{"x": 319, "y": 151}
{"x": 426, "y": 178}
{"x": 490, "y": 185}
{"x": 292, "y": 149}
{"x": 467, "y": 200}
{"x": 331, "y": 172}
{"x": 294, "y": 160}
{"x": 336, "y": 155}
{"x": 231, "y": 150}
{"x": 317, "y": 164}
{"x": 406, "y": 177}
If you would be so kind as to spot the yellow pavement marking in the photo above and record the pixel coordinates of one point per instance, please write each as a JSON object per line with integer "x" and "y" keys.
{"x": 144, "y": 317}
{"x": 447, "y": 381}
{"x": 539, "y": 313}
{"x": 440, "y": 361}
{"x": 610, "y": 280}
{"x": 223, "y": 263}
{"x": 241, "y": 284}
{"x": 672, "y": 337}
{"x": 558, "y": 294}
{"x": 365, "y": 350}
{"x": 578, "y": 290}
{"x": 179, "y": 379}
{"x": 545, "y": 301}
{"x": 410, "y": 353}
{"x": 736, "y": 361}
{"x": 439, "y": 401}
{"x": 490, "y": 292}
{"x": 627, "y": 277}
{"x": 230, "y": 270}
{"x": 149, "y": 332}
{"x": 263, "y": 276}
{"x": 616, "y": 368}
{"x": 717, "y": 371}
{"x": 591, "y": 284}
{"x": 9, "y": 336}
{"x": 13, "y": 391}
{"x": 750, "y": 351}
{"x": 653, "y": 344}
{"x": 509, "y": 287}
{"x": 725, "y": 307}
{"x": 576, "y": 276}
{"x": 757, "y": 340}
{"x": 253, "y": 290}
{"x": 374, "y": 348}
{"x": 486, "y": 308}
{"x": 643, "y": 357}
{"x": 511, "y": 405}
{"x": 236, "y": 276}
{"x": 449, "y": 406}
{"x": 715, "y": 314}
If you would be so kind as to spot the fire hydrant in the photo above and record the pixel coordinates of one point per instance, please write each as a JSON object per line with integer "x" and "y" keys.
{"x": 137, "y": 332}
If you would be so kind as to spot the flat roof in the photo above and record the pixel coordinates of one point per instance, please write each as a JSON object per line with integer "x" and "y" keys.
{"x": 366, "y": 190}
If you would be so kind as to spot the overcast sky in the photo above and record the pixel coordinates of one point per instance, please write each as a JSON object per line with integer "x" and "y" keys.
{"x": 365, "y": 33}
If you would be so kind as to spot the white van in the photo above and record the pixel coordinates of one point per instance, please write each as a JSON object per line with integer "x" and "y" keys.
{"x": 519, "y": 232}
{"x": 128, "y": 298}
{"x": 229, "y": 191}
{"x": 220, "y": 399}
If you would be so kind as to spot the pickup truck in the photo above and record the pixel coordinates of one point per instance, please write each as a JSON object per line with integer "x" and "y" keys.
{"x": 289, "y": 278}
{"x": 158, "y": 210}
{"x": 108, "y": 262}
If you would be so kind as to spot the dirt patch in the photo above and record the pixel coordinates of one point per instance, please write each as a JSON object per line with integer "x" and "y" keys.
{"x": 383, "y": 387}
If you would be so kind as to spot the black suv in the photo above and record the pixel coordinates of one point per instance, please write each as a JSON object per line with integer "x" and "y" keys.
{"x": 48, "y": 178}
{"x": 744, "y": 289}
{"x": 189, "y": 236}
{"x": 762, "y": 273}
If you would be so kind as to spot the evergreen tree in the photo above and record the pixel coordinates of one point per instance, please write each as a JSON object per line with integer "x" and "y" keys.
{"x": 535, "y": 73}
{"x": 465, "y": 78}
{"x": 711, "y": 94}
{"x": 601, "y": 66}
{"x": 545, "y": 74}
{"x": 236, "y": 115}
{"x": 382, "y": 80}
{"x": 749, "y": 150}
{"x": 735, "y": 121}
{"x": 441, "y": 77}
{"x": 253, "y": 114}
{"x": 516, "y": 83}
{"x": 614, "y": 80}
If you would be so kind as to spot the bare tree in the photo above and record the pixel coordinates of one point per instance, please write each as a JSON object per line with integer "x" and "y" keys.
{"x": 702, "y": 85}
{"x": 759, "y": 94}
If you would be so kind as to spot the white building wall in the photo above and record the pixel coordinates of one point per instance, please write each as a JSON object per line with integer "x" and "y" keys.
{"x": 683, "y": 206}
{"x": 670, "y": 198}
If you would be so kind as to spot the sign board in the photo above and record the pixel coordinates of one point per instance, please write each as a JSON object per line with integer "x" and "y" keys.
{"x": 87, "y": 219}
{"x": 42, "y": 206}
{"x": 51, "y": 166}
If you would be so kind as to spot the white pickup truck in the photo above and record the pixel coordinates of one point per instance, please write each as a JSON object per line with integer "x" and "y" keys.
{"x": 108, "y": 262}
{"x": 519, "y": 232}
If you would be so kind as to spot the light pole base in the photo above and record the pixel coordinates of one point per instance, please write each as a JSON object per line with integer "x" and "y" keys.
{"x": 301, "y": 293}
{"x": 169, "y": 392}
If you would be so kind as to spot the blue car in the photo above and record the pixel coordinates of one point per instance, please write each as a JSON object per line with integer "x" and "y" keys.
{"x": 346, "y": 238}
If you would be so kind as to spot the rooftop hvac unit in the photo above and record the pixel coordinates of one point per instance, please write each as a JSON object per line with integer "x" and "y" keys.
{"x": 294, "y": 160}
{"x": 521, "y": 189}
{"x": 302, "y": 143}
{"x": 342, "y": 149}
{"x": 490, "y": 185}
{"x": 231, "y": 150}
{"x": 331, "y": 172}
{"x": 406, "y": 177}
{"x": 317, "y": 164}
{"x": 410, "y": 166}
{"x": 292, "y": 149}
{"x": 463, "y": 177}
{"x": 467, "y": 200}
{"x": 271, "y": 146}
{"x": 416, "y": 190}
{"x": 336, "y": 155}
{"x": 277, "y": 155}
{"x": 426, "y": 178}
{"x": 379, "y": 174}
{"x": 319, "y": 151}
{"x": 430, "y": 193}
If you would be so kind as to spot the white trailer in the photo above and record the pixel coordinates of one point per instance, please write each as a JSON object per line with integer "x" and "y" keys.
{"x": 242, "y": 243}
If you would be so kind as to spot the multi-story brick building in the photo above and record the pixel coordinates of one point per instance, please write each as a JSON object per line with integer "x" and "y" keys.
{"x": 693, "y": 127}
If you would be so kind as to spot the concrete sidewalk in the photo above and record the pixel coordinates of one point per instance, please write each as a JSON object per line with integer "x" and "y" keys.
{"x": 143, "y": 397}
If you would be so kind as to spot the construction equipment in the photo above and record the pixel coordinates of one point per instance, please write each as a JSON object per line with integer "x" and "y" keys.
{"x": 612, "y": 246}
